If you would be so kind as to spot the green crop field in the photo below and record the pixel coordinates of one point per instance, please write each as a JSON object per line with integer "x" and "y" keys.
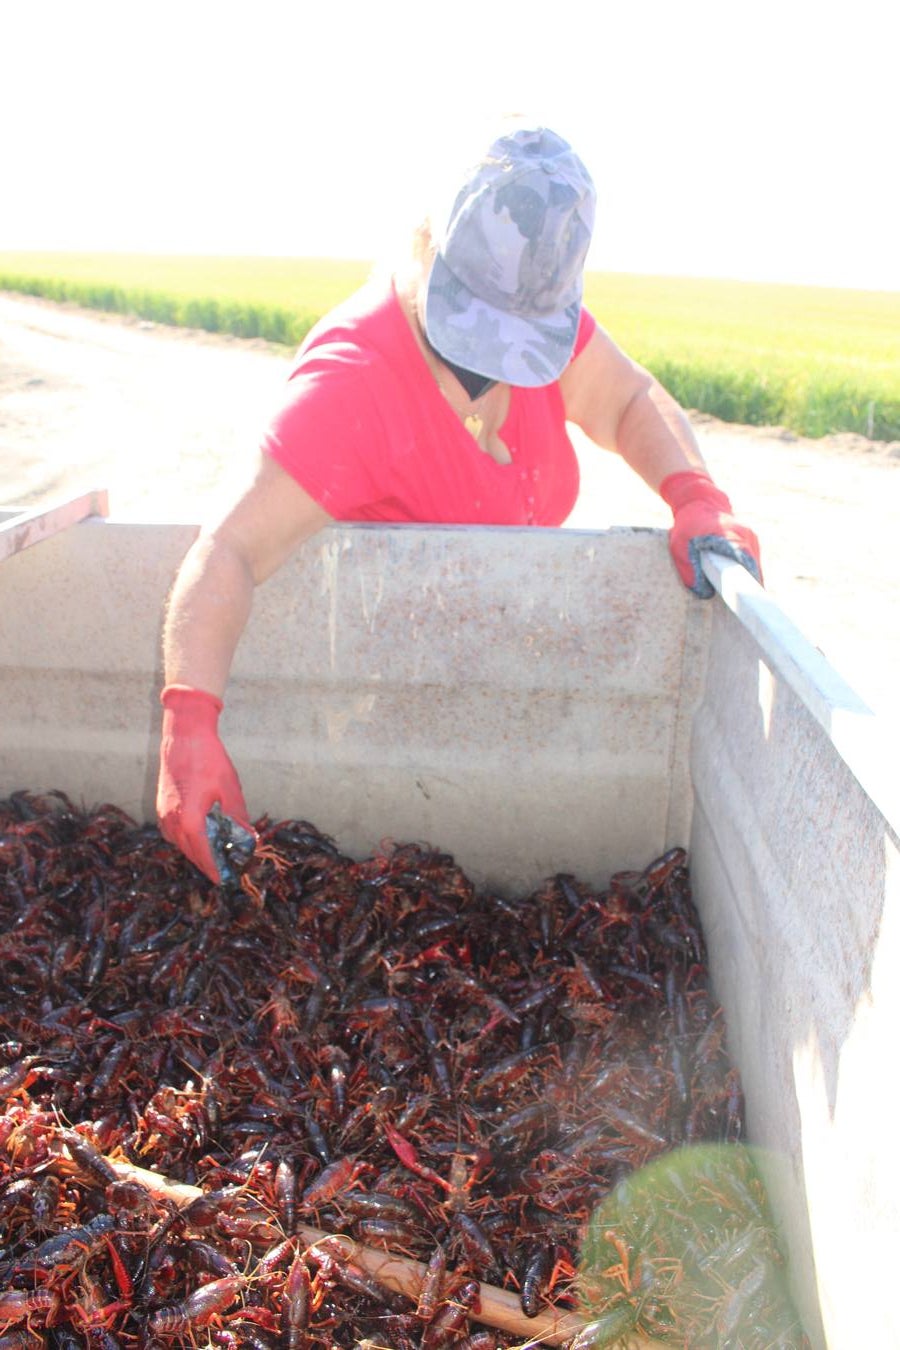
{"x": 275, "y": 298}
{"x": 812, "y": 359}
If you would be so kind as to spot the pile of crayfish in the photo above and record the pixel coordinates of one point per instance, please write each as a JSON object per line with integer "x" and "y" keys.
{"x": 371, "y": 1047}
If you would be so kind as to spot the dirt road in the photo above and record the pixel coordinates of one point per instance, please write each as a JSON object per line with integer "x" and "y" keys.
{"x": 169, "y": 421}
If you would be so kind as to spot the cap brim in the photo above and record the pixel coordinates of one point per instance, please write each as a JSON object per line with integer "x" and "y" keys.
{"x": 467, "y": 331}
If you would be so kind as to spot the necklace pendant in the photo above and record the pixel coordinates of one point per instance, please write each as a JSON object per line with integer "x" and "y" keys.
{"x": 474, "y": 425}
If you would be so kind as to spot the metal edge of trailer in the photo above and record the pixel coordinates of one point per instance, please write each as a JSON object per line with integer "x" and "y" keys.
{"x": 857, "y": 733}
{"x": 22, "y": 529}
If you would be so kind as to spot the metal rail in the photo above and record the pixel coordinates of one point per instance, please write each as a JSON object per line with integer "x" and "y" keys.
{"x": 25, "y": 528}
{"x": 862, "y": 738}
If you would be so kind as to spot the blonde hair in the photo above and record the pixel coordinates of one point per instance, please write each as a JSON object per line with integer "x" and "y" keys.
{"x": 422, "y": 244}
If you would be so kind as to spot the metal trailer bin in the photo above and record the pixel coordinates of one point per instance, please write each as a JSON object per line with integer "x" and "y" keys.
{"x": 536, "y": 701}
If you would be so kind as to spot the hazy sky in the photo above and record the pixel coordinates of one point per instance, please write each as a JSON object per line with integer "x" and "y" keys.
{"x": 743, "y": 140}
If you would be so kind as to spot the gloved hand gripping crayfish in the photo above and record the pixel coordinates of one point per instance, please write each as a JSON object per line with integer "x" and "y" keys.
{"x": 368, "y": 1046}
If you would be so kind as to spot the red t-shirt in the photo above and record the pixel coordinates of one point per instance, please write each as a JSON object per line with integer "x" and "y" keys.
{"x": 366, "y": 431}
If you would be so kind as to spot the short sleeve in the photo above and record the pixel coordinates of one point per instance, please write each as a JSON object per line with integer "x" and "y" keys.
{"x": 328, "y": 434}
{"x": 587, "y": 326}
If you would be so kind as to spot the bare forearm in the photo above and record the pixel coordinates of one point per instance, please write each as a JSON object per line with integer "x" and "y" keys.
{"x": 207, "y": 612}
{"x": 655, "y": 437}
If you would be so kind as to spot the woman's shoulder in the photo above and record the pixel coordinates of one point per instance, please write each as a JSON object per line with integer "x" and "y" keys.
{"x": 361, "y": 328}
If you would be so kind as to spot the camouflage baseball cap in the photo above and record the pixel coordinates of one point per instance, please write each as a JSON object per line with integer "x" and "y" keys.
{"x": 504, "y": 294}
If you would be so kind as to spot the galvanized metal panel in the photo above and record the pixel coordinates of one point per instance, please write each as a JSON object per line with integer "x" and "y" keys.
{"x": 519, "y": 697}
{"x": 796, "y": 873}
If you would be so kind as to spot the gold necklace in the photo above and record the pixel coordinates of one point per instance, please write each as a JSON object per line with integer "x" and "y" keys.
{"x": 472, "y": 421}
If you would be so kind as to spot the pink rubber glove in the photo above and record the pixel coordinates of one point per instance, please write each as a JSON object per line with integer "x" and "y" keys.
{"x": 703, "y": 523}
{"x": 194, "y": 773}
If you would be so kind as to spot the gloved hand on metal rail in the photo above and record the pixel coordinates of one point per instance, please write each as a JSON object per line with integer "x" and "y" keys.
{"x": 195, "y": 773}
{"x": 703, "y": 523}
